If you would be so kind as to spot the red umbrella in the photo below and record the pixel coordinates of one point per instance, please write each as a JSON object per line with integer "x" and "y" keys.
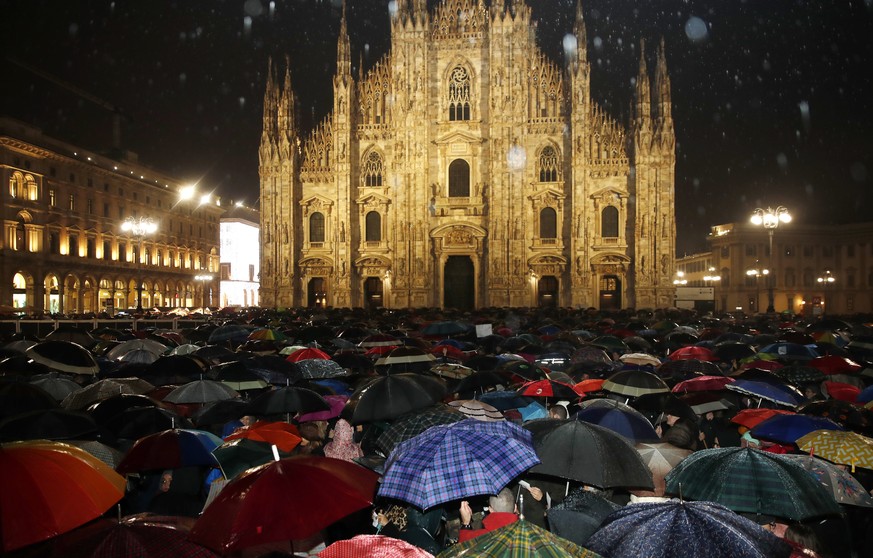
{"x": 751, "y": 418}
{"x": 762, "y": 364}
{"x": 693, "y": 352}
{"x": 376, "y": 546}
{"x": 831, "y": 365}
{"x": 447, "y": 351}
{"x": 548, "y": 388}
{"x": 50, "y": 488}
{"x": 380, "y": 350}
{"x": 842, "y": 391}
{"x": 285, "y": 439}
{"x": 310, "y": 352}
{"x": 171, "y": 449}
{"x": 702, "y": 383}
{"x": 292, "y": 498}
{"x": 586, "y": 386}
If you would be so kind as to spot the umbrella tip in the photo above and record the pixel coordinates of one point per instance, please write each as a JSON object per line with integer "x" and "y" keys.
{"x": 275, "y": 452}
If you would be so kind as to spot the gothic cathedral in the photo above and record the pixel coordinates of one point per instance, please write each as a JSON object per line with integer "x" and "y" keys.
{"x": 465, "y": 169}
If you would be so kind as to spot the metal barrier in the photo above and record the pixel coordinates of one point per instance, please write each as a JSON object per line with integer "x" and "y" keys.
{"x": 41, "y": 328}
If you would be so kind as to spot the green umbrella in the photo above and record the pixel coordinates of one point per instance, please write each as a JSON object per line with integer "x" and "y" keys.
{"x": 519, "y": 538}
{"x": 752, "y": 481}
{"x": 242, "y": 454}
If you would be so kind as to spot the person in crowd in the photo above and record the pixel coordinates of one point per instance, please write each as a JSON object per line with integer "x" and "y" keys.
{"x": 343, "y": 446}
{"x": 501, "y": 511}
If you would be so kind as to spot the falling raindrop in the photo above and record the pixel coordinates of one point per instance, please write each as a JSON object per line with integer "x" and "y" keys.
{"x": 598, "y": 43}
{"x": 183, "y": 78}
{"x": 516, "y": 158}
{"x": 242, "y": 102}
{"x": 570, "y": 45}
{"x": 74, "y": 29}
{"x": 804, "y": 114}
{"x": 782, "y": 161}
{"x": 247, "y": 25}
{"x": 695, "y": 29}
{"x": 392, "y": 8}
{"x": 253, "y": 8}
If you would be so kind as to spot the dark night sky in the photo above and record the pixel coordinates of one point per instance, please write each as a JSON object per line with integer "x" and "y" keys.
{"x": 772, "y": 99}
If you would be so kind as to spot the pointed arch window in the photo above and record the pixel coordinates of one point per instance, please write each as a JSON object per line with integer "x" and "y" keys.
{"x": 373, "y": 225}
{"x": 459, "y": 94}
{"x": 316, "y": 227}
{"x": 548, "y": 223}
{"x": 373, "y": 170}
{"x": 548, "y": 164}
{"x": 459, "y": 179}
{"x": 609, "y": 222}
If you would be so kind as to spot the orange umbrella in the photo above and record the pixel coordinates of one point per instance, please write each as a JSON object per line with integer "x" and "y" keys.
{"x": 50, "y": 488}
{"x": 271, "y": 433}
{"x": 585, "y": 386}
{"x": 751, "y": 418}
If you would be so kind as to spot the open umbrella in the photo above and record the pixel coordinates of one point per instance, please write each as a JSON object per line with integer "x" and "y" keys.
{"x": 750, "y": 418}
{"x": 576, "y": 450}
{"x": 786, "y": 429}
{"x": 137, "y": 422}
{"x": 677, "y": 529}
{"x": 660, "y": 458}
{"x": 389, "y": 397}
{"x": 229, "y": 334}
{"x": 373, "y": 546}
{"x": 406, "y": 359}
{"x": 685, "y": 369}
{"x": 831, "y": 365}
{"x": 579, "y": 515}
{"x": 702, "y": 383}
{"x": 50, "y": 488}
{"x": 48, "y": 424}
{"x": 416, "y": 422}
{"x": 104, "y": 389}
{"x": 854, "y": 418}
{"x": 317, "y": 368}
{"x": 633, "y": 383}
{"x": 170, "y": 449}
{"x": 57, "y": 386}
{"x": 843, "y": 486}
{"x": 780, "y": 394}
{"x": 307, "y": 353}
{"x": 237, "y": 376}
{"x": 753, "y": 481}
{"x": 846, "y": 448}
{"x": 219, "y": 412}
{"x": 733, "y": 350}
{"x": 548, "y": 388}
{"x": 693, "y": 352}
{"x": 790, "y": 351}
{"x": 453, "y": 461}
{"x": 640, "y": 359}
{"x": 478, "y": 410}
{"x": 241, "y": 454}
{"x": 201, "y": 391}
{"x": 287, "y": 400}
{"x": 519, "y": 538}
{"x": 64, "y": 356}
{"x": 379, "y": 340}
{"x": 628, "y": 422}
{"x": 312, "y": 492}
{"x": 149, "y": 345}
{"x": 284, "y": 436}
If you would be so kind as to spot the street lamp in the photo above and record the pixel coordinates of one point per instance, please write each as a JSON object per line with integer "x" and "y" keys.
{"x": 680, "y": 279}
{"x": 139, "y": 228}
{"x": 757, "y": 274}
{"x": 769, "y": 219}
{"x": 711, "y": 279}
{"x": 203, "y": 279}
{"x": 825, "y": 281}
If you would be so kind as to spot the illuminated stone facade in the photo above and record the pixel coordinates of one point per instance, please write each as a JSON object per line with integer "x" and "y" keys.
{"x": 466, "y": 169}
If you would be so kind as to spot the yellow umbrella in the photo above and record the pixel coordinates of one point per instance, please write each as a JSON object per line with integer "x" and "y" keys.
{"x": 846, "y": 448}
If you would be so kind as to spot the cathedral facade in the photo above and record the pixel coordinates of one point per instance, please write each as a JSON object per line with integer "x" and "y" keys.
{"x": 466, "y": 169}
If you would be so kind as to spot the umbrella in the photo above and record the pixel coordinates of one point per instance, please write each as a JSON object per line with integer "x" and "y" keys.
{"x": 219, "y": 412}
{"x": 64, "y": 356}
{"x": 548, "y": 388}
{"x": 610, "y": 343}
{"x": 851, "y": 416}
{"x": 684, "y": 369}
{"x": 633, "y": 383}
{"x": 676, "y": 529}
{"x": 241, "y": 454}
{"x": 576, "y": 450}
{"x": 790, "y": 351}
{"x": 317, "y": 368}
{"x": 287, "y": 400}
{"x": 284, "y": 436}
{"x": 312, "y": 492}
{"x": 799, "y": 374}
{"x": 453, "y": 461}
{"x": 413, "y": 424}
{"x": 843, "y": 487}
{"x": 628, "y": 422}
{"x": 137, "y": 536}
{"x": 379, "y": 340}
{"x": 586, "y": 386}
{"x": 307, "y": 353}
{"x": 660, "y": 458}
{"x": 640, "y": 359}
{"x": 56, "y": 386}
{"x": 693, "y": 352}
{"x": 847, "y": 448}
{"x": 478, "y": 410}
{"x": 450, "y": 370}
{"x": 519, "y": 538}
{"x": 702, "y": 402}
{"x": 480, "y": 382}
{"x": 49, "y": 424}
{"x": 702, "y": 383}
{"x": 137, "y": 422}
{"x": 175, "y": 369}
{"x": 104, "y": 389}
{"x": 750, "y": 418}
{"x": 389, "y": 397}
{"x": 106, "y": 410}
{"x": 336, "y": 404}
{"x": 170, "y": 449}
{"x": 267, "y": 334}
{"x": 779, "y": 394}
{"x": 50, "y": 488}
{"x": 753, "y": 481}
{"x": 831, "y": 365}
{"x": 237, "y": 376}
{"x": 201, "y": 391}
{"x": 148, "y": 345}
{"x": 733, "y": 350}
{"x": 786, "y": 429}
{"x": 230, "y": 333}
{"x": 373, "y": 546}
{"x": 444, "y": 329}
{"x": 407, "y": 359}
{"x": 579, "y": 515}
{"x": 71, "y": 334}
{"x": 101, "y": 451}
{"x": 520, "y": 371}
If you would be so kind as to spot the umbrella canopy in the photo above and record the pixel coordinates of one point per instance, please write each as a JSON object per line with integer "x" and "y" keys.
{"x": 57, "y": 386}
{"x": 480, "y": 381}
{"x": 640, "y": 359}
{"x": 779, "y": 394}
{"x": 660, "y": 458}
{"x": 548, "y": 388}
{"x": 843, "y": 487}
{"x": 201, "y": 391}
{"x": 454, "y": 461}
{"x": 284, "y": 436}
{"x": 406, "y": 359}
{"x": 389, "y": 397}
{"x": 336, "y": 402}
{"x": 104, "y": 389}
{"x": 579, "y": 515}
{"x": 48, "y": 424}
{"x": 628, "y": 422}
{"x": 230, "y": 333}
{"x": 373, "y": 546}
{"x": 312, "y": 492}
{"x": 241, "y": 454}
{"x": 50, "y": 488}
{"x": 288, "y": 400}
{"x": 790, "y": 351}
{"x": 750, "y": 418}
{"x": 733, "y": 350}
{"x": 71, "y": 334}
{"x": 693, "y": 352}
{"x": 854, "y": 418}
{"x": 478, "y": 410}
{"x": 677, "y": 529}
{"x": 846, "y": 448}
{"x": 170, "y": 449}
{"x": 64, "y": 356}
{"x": 519, "y": 538}
{"x": 798, "y": 374}
{"x": 413, "y": 424}
{"x": 684, "y": 369}
{"x": 149, "y": 345}
{"x": 380, "y": 340}
{"x": 633, "y": 383}
{"x": 786, "y": 429}
{"x": 319, "y": 368}
{"x": 702, "y": 383}
{"x": 219, "y": 412}
{"x": 753, "y": 481}
{"x": 101, "y": 451}
{"x": 136, "y": 422}
{"x": 444, "y": 328}
{"x": 576, "y": 450}
{"x": 307, "y": 353}
{"x": 831, "y": 365}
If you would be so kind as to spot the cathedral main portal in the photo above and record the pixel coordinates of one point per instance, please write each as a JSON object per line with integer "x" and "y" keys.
{"x": 459, "y": 283}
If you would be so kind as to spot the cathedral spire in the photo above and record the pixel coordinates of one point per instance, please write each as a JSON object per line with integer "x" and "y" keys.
{"x": 270, "y": 103}
{"x": 662, "y": 94}
{"x": 643, "y": 99}
{"x": 286, "y": 108}
{"x": 343, "y": 50}
{"x": 581, "y": 33}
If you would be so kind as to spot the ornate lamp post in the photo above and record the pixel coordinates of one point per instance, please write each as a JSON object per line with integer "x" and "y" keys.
{"x": 826, "y": 280}
{"x": 203, "y": 279}
{"x": 769, "y": 219}
{"x": 139, "y": 228}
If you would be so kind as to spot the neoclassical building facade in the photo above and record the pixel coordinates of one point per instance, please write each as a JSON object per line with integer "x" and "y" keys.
{"x": 63, "y": 249}
{"x": 466, "y": 169}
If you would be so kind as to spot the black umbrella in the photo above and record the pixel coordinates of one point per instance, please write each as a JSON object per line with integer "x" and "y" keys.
{"x": 416, "y": 422}
{"x": 201, "y": 391}
{"x": 854, "y": 418}
{"x": 220, "y": 412}
{"x": 316, "y": 368}
{"x": 103, "y": 412}
{"x": 483, "y": 362}
{"x": 521, "y": 371}
{"x": 64, "y": 356}
{"x": 684, "y": 369}
{"x": 48, "y": 424}
{"x": 353, "y": 361}
{"x": 734, "y": 350}
{"x": 71, "y": 334}
{"x": 576, "y": 450}
{"x": 175, "y": 369}
{"x": 136, "y": 422}
{"x": 287, "y": 400}
{"x": 21, "y": 364}
{"x": 388, "y": 397}
{"x": 272, "y": 368}
{"x": 480, "y": 382}
{"x": 579, "y": 515}
{"x": 21, "y": 397}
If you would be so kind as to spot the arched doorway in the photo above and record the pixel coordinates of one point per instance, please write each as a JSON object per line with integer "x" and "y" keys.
{"x": 316, "y": 293}
{"x": 610, "y": 292}
{"x": 547, "y": 292}
{"x": 459, "y": 283}
{"x": 373, "y": 292}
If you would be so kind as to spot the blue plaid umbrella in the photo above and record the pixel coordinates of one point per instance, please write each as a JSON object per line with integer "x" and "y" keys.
{"x": 676, "y": 529}
{"x": 454, "y": 461}
{"x": 786, "y": 429}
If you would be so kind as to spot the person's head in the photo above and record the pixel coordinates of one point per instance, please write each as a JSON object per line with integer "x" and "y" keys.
{"x": 247, "y": 420}
{"x": 803, "y": 535}
{"x": 166, "y": 480}
{"x": 558, "y": 412}
{"x": 503, "y": 501}
{"x": 671, "y": 419}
